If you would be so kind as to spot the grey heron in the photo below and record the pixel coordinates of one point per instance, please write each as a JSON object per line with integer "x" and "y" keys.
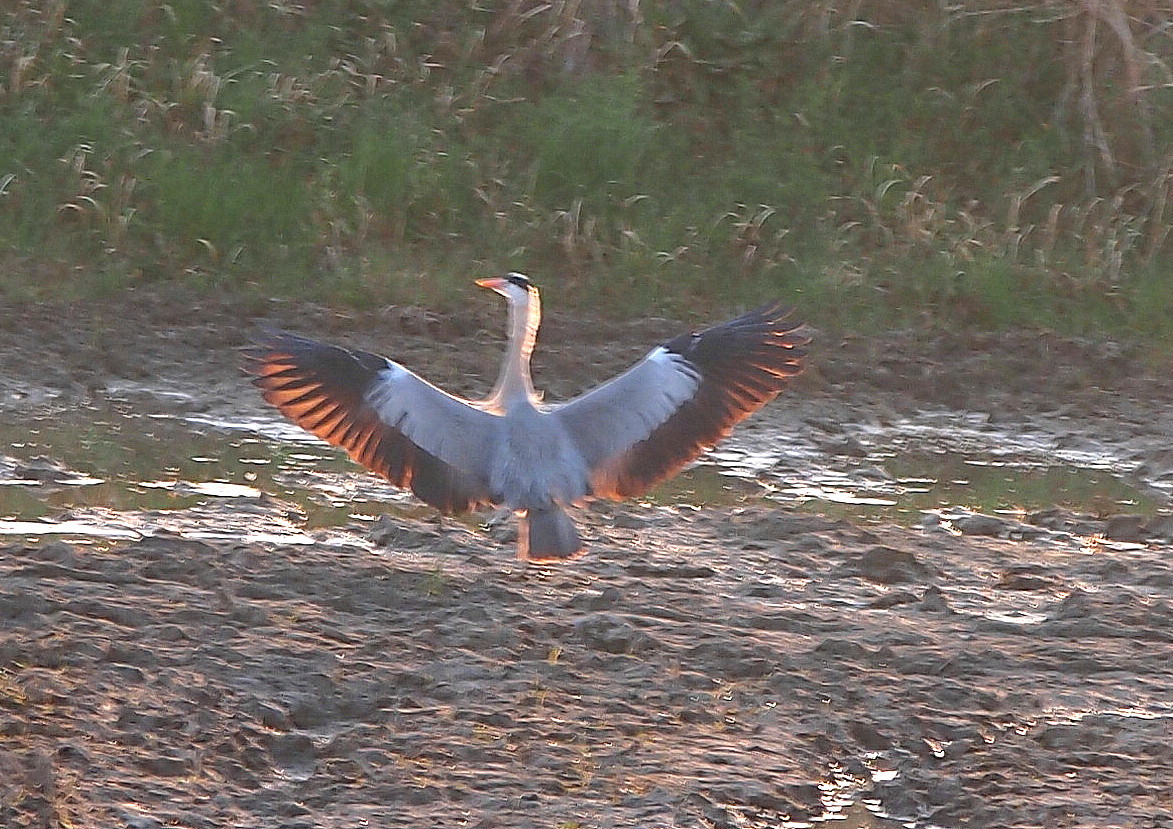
{"x": 615, "y": 441}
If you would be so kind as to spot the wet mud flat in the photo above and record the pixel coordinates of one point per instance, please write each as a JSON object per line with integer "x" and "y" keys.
{"x": 718, "y": 668}
{"x": 228, "y": 663}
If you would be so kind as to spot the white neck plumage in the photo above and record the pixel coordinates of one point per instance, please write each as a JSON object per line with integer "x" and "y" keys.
{"x": 514, "y": 385}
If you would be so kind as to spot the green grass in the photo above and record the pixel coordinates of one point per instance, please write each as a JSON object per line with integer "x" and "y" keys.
{"x": 910, "y": 168}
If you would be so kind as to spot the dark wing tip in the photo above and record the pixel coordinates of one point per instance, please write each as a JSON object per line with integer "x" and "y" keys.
{"x": 322, "y": 388}
{"x": 743, "y": 364}
{"x": 319, "y": 387}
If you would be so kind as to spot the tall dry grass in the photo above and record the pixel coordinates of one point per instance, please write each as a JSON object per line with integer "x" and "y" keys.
{"x": 885, "y": 160}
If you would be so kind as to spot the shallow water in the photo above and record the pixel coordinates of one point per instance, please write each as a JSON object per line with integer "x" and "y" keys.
{"x": 118, "y": 459}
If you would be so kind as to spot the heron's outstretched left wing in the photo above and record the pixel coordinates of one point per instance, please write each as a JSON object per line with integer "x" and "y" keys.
{"x": 387, "y": 418}
{"x": 685, "y": 396}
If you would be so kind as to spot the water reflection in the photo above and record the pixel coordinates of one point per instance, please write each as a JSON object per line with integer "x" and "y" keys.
{"x": 116, "y": 458}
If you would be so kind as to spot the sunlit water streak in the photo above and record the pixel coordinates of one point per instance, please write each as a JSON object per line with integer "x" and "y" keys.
{"x": 117, "y": 458}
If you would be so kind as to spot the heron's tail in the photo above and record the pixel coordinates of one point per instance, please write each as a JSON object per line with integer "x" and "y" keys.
{"x": 546, "y": 534}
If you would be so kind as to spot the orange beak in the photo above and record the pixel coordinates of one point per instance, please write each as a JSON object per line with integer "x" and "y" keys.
{"x": 494, "y": 283}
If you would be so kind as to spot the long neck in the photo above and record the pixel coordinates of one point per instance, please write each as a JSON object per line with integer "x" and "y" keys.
{"x": 514, "y": 384}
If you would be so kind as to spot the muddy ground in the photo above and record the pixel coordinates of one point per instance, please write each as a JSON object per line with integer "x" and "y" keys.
{"x": 714, "y": 667}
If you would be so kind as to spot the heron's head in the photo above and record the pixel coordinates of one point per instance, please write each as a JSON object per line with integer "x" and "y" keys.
{"x": 515, "y": 287}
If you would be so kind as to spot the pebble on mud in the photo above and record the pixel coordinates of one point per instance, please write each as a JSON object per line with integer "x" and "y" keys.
{"x": 1025, "y": 577}
{"x": 978, "y": 524}
{"x": 1126, "y": 528}
{"x": 611, "y": 634}
{"x": 887, "y": 565}
{"x": 294, "y": 754}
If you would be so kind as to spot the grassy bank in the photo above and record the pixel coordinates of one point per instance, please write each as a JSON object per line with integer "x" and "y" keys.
{"x": 989, "y": 165}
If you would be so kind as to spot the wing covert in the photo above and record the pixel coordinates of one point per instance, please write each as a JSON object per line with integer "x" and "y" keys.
{"x": 625, "y": 410}
{"x": 683, "y": 398}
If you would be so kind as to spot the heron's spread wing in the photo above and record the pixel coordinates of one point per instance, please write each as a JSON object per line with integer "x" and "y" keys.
{"x": 387, "y": 419}
{"x": 686, "y": 395}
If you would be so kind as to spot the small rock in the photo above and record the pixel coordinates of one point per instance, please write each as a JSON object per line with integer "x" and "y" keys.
{"x": 169, "y": 633}
{"x": 611, "y": 634}
{"x": 931, "y": 522}
{"x": 1060, "y": 737}
{"x": 294, "y": 753}
{"x": 58, "y": 551}
{"x": 697, "y": 716}
{"x": 868, "y": 736}
{"x": 388, "y": 532}
{"x": 1018, "y": 581}
{"x": 777, "y": 796}
{"x": 763, "y": 798}
{"x": 44, "y": 470}
{"x": 421, "y": 795}
{"x": 73, "y": 752}
{"x": 933, "y": 601}
{"x": 502, "y": 531}
{"x": 22, "y": 605}
{"x": 497, "y": 719}
{"x": 847, "y": 447}
{"x": 309, "y": 711}
{"x": 713, "y": 814}
{"x": 976, "y": 523}
{"x": 1057, "y": 518}
{"x": 1126, "y": 528}
{"x": 126, "y": 654}
{"x": 892, "y": 599}
{"x": 896, "y": 797}
{"x": 608, "y": 597}
{"x": 1027, "y": 577}
{"x": 887, "y": 565}
{"x": 843, "y": 649}
{"x": 730, "y": 660}
{"x": 165, "y": 766}
{"x": 474, "y": 613}
{"x": 270, "y": 715}
{"x": 946, "y": 791}
{"x": 1076, "y": 605}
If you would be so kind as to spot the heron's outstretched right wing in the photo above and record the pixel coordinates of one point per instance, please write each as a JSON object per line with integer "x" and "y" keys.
{"x": 386, "y": 418}
{"x": 662, "y": 413}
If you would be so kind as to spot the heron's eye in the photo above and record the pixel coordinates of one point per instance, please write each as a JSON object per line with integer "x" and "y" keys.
{"x": 518, "y": 279}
